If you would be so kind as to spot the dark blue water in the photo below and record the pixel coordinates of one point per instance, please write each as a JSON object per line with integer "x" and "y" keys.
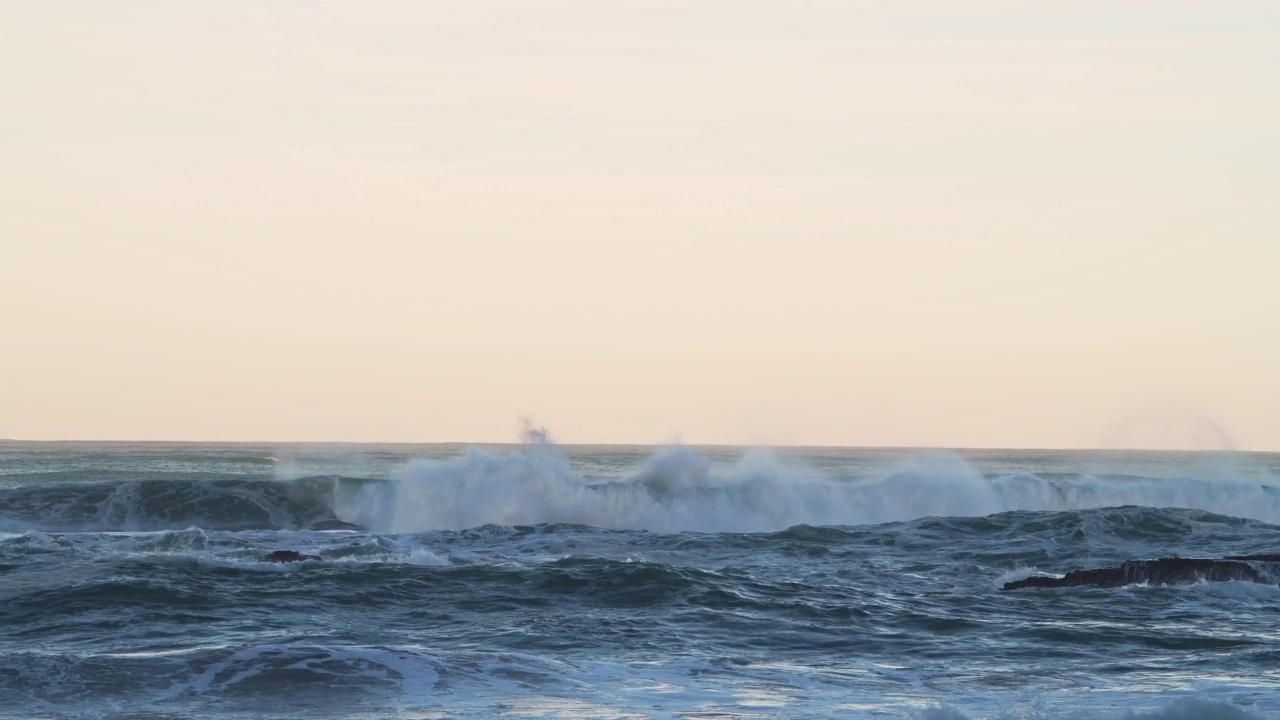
{"x": 545, "y": 582}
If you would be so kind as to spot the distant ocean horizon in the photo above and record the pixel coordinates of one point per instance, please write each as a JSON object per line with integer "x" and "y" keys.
{"x": 787, "y": 447}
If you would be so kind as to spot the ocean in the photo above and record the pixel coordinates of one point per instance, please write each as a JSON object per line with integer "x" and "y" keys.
{"x": 545, "y": 581}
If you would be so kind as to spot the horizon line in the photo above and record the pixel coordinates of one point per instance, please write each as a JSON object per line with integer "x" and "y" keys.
{"x": 713, "y": 445}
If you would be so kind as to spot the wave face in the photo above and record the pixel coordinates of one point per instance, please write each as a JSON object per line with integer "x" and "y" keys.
{"x": 542, "y": 581}
{"x": 166, "y": 502}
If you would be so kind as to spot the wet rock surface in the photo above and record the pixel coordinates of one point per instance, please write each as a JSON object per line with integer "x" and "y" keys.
{"x": 1165, "y": 571}
{"x": 288, "y": 556}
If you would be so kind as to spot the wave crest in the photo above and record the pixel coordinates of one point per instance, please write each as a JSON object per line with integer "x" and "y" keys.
{"x": 679, "y": 489}
{"x": 674, "y": 490}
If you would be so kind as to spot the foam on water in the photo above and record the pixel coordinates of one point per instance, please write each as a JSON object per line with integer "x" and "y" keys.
{"x": 411, "y": 679}
{"x": 678, "y": 489}
{"x": 1020, "y": 573}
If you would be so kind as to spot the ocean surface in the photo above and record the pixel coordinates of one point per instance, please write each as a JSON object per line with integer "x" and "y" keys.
{"x": 538, "y": 581}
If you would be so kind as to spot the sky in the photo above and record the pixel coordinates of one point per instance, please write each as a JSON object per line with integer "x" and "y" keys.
{"x": 922, "y": 223}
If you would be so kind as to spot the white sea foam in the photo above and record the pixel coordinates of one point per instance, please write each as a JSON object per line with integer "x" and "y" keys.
{"x": 1020, "y": 573}
{"x": 426, "y": 558}
{"x": 679, "y": 489}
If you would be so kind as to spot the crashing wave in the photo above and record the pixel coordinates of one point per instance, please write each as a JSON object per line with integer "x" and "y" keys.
{"x": 677, "y": 489}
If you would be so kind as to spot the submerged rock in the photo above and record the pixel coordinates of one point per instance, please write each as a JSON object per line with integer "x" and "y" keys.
{"x": 1165, "y": 571}
{"x": 288, "y": 556}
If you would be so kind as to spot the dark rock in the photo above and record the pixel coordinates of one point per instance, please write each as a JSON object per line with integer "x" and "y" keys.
{"x": 333, "y": 524}
{"x": 1165, "y": 571}
{"x": 288, "y": 556}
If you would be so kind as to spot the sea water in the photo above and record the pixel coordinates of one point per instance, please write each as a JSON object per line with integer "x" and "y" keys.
{"x": 538, "y": 581}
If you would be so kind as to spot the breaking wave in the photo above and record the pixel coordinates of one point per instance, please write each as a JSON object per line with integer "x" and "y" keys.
{"x": 676, "y": 489}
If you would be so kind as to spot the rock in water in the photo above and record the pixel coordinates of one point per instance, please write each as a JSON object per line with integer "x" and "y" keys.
{"x": 288, "y": 556}
{"x": 1165, "y": 571}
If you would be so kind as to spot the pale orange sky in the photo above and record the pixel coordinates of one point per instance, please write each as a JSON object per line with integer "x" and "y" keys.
{"x": 867, "y": 223}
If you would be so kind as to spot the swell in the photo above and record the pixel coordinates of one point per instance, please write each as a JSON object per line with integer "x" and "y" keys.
{"x": 594, "y": 559}
{"x": 164, "y": 501}
{"x": 367, "y": 680}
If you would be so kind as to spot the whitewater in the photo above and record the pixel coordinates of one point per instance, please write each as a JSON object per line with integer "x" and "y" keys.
{"x": 538, "y": 580}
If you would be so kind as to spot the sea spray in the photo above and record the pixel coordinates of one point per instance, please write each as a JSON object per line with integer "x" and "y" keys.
{"x": 680, "y": 489}
{"x": 668, "y": 490}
